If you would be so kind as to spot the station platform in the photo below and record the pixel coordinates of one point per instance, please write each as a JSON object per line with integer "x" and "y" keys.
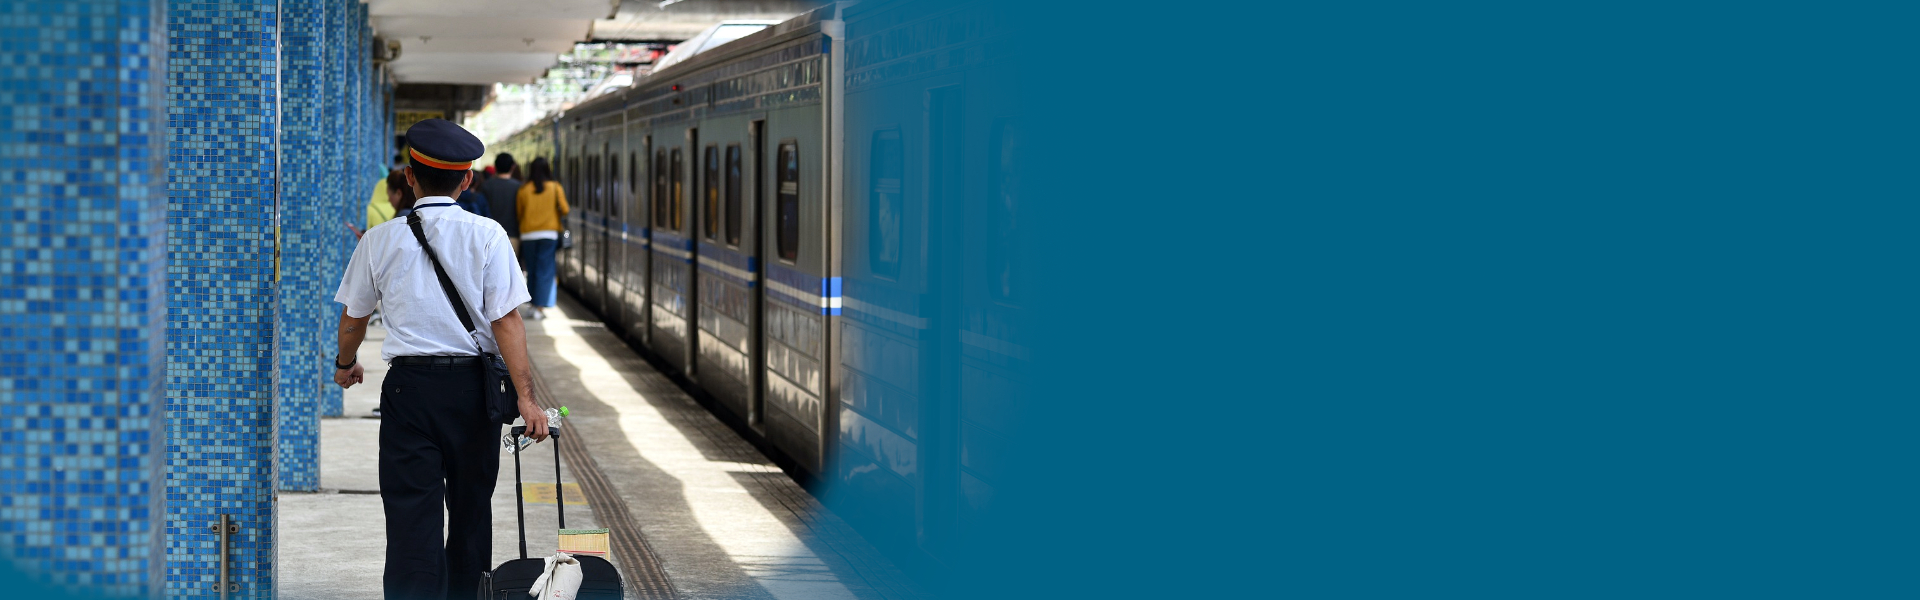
{"x": 695, "y": 511}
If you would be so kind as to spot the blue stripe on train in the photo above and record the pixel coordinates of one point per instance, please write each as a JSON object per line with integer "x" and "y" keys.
{"x": 829, "y": 289}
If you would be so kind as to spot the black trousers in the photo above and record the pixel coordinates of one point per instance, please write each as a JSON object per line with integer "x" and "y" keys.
{"x": 436, "y": 449}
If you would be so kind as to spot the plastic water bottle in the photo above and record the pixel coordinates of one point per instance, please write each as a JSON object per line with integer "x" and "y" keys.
{"x": 509, "y": 443}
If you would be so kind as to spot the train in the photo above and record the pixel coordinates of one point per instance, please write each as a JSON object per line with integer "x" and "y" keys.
{"x": 817, "y": 228}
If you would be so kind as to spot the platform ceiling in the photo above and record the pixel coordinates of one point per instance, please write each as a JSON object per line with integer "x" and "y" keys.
{"x": 514, "y": 41}
{"x": 483, "y": 41}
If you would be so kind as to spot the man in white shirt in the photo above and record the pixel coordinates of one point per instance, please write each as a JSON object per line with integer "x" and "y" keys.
{"x": 437, "y": 445}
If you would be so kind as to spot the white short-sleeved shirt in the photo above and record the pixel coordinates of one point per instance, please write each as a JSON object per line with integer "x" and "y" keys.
{"x": 389, "y": 269}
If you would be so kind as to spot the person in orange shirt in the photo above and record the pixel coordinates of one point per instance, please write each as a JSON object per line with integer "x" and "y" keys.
{"x": 540, "y": 205}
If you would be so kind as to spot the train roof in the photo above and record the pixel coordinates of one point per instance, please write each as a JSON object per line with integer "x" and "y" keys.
{"x": 712, "y": 37}
{"x": 805, "y": 24}
{"x": 801, "y": 25}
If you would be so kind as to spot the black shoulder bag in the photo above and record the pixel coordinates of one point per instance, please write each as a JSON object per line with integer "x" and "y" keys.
{"x": 503, "y": 399}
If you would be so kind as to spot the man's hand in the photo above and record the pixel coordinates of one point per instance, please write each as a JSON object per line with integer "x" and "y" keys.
{"x": 352, "y": 331}
{"x": 536, "y": 421}
{"x": 347, "y": 377}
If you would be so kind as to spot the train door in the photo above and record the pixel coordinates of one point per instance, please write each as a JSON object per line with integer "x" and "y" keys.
{"x": 799, "y": 294}
{"x": 672, "y": 260}
{"x": 583, "y": 238}
{"x": 726, "y": 268}
{"x": 582, "y": 241}
{"x": 692, "y": 283}
{"x": 640, "y": 217}
{"x": 609, "y": 216}
{"x": 564, "y": 265}
{"x": 563, "y": 175}
{"x": 595, "y": 257}
{"x": 616, "y": 222}
{"x": 621, "y": 290}
{"x": 750, "y": 239}
{"x": 940, "y": 355}
{"x": 662, "y": 198}
{"x": 568, "y": 263}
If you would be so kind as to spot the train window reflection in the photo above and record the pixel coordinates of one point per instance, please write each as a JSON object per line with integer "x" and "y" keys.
{"x": 1003, "y": 204}
{"x": 710, "y": 185}
{"x": 733, "y": 194}
{"x": 883, "y": 203}
{"x": 660, "y": 188}
{"x": 787, "y": 199}
{"x": 677, "y": 196}
{"x": 573, "y": 166}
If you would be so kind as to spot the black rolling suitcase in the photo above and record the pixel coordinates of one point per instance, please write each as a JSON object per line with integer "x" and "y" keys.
{"x": 513, "y": 579}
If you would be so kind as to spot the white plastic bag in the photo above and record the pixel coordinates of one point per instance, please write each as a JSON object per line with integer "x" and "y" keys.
{"x": 560, "y": 581}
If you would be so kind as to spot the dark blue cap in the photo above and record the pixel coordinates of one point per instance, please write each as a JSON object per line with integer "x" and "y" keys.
{"x": 440, "y": 144}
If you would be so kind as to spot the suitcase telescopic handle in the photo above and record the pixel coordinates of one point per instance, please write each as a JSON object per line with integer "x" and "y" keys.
{"x": 559, "y": 489}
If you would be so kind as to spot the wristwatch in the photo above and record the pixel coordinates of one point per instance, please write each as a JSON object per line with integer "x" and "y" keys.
{"x": 349, "y": 365}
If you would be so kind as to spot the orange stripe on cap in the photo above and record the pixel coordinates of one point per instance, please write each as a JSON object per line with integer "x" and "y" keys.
{"x": 437, "y": 163}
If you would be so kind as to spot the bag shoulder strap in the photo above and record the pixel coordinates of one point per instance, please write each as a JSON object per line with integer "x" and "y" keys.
{"x": 446, "y": 284}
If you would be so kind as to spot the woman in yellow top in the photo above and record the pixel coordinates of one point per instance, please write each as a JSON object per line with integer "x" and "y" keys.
{"x": 541, "y": 204}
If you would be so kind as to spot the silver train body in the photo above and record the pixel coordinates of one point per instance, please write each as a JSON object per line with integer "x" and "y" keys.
{"x": 817, "y": 226}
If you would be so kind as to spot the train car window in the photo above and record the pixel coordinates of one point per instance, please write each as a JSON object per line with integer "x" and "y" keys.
{"x": 787, "y": 199}
{"x": 710, "y": 216}
{"x": 613, "y": 185}
{"x": 1003, "y": 204}
{"x": 677, "y": 198}
{"x": 884, "y": 188}
{"x": 733, "y": 195}
{"x": 633, "y": 177}
{"x": 660, "y": 188}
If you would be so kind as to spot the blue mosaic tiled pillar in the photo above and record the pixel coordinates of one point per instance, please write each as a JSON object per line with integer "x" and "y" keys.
{"x": 222, "y": 114}
{"x": 82, "y": 316}
{"x": 326, "y": 176}
{"x": 304, "y": 334}
{"x": 335, "y": 175}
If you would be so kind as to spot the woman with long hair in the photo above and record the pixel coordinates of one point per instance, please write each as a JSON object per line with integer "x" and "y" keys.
{"x": 541, "y": 204}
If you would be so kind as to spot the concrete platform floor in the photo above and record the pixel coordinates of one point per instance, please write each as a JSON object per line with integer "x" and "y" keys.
{"x": 722, "y": 520}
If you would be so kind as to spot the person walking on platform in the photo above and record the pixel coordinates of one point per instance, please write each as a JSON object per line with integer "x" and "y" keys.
{"x": 471, "y": 200}
{"x": 438, "y": 448}
{"x": 540, "y": 204}
{"x": 501, "y": 191}
{"x": 380, "y": 207}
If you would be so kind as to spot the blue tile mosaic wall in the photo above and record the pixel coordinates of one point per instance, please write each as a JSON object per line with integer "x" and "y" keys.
{"x": 170, "y": 235}
{"x": 305, "y": 339}
{"x": 222, "y": 114}
{"x": 81, "y": 308}
{"x": 329, "y": 163}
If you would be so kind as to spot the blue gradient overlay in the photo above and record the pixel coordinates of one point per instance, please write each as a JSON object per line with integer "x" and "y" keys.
{"x": 1262, "y": 300}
